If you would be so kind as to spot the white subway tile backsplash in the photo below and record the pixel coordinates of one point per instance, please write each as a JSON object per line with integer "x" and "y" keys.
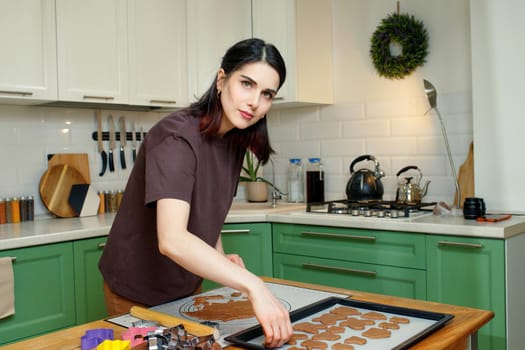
{"x": 394, "y": 108}
{"x": 367, "y": 128}
{"x": 343, "y": 111}
{"x": 320, "y": 131}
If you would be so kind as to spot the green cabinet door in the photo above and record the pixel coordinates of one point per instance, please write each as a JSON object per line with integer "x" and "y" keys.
{"x": 403, "y": 282}
{"x": 88, "y": 280}
{"x": 470, "y": 272}
{"x": 253, "y": 242}
{"x": 44, "y": 291}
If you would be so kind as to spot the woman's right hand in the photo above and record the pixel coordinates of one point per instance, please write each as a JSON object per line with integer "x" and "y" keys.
{"x": 272, "y": 316}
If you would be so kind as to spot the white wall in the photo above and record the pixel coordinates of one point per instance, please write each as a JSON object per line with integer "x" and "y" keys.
{"x": 371, "y": 114}
{"x": 498, "y": 78}
{"x": 385, "y": 118}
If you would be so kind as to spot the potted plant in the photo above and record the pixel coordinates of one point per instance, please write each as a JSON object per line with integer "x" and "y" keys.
{"x": 256, "y": 186}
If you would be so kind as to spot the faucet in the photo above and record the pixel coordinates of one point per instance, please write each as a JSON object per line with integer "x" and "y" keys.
{"x": 276, "y": 192}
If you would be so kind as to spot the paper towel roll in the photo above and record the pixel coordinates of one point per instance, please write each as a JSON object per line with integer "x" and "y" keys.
{"x": 7, "y": 288}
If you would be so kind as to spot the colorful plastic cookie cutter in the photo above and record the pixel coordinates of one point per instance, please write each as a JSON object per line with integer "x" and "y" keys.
{"x": 93, "y": 337}
{"x": 136, "y": 334}
{"x": 114, "y": 345}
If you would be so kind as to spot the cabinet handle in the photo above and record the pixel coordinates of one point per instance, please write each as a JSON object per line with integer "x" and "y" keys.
{"x": 101, "y": 245}
{"x": 21, "y": 93}
{"x": 163, "y": 101}
{"x": 337, "y": 235}
{"x": 461, "y": 244}
{"x": 236, "y": 231}
{"x": 339, "y": 269}
{"x": 106, "y": 98}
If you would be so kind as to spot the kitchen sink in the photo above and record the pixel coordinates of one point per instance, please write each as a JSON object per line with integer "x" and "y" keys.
{"x": 240, "y": 207}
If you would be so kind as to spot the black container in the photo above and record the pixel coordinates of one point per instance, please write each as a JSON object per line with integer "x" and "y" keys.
{"x": 314, "y": 181}
{"x": 473, "y": 208}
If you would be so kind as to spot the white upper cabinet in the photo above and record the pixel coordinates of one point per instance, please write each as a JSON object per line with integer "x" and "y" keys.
{"x": 302, "y": 31}
{"x": 157, "y": 53}
{"x": 92, "y": 51}
{"x": 28, "y": 60}
{"x": 213, "y": 26}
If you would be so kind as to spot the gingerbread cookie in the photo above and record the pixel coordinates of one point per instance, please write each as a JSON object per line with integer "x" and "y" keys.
{"x": 397, "y": 319}
{"x": 314, "y": 344}
{"x": 295, "y": 337}
{"x": 336, "y": 329}
{"x": 326, "y": 336}
{"x": 345, "y": 310}
{"x": 376, "y": 333}
{"x": 356, "y": 323}
{"x": 339, "y": 346}
{"x": 388, "y": 325}
{"x": 372, "y": 315}
{"x": 308, "y": 327}
{"x": 355, "y": 340}
{"x": 329, "y": 318}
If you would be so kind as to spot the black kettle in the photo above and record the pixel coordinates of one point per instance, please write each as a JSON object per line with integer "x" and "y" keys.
{"x": 365, "y": 184}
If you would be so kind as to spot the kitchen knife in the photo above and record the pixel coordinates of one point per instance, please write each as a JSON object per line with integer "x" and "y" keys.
{"x": 193, "y": 328}
{"x": 122, "y": 122}
{"x": 112, "y": 142}
{"x": 133, "y": 141}
{"x": 100, "y": 145}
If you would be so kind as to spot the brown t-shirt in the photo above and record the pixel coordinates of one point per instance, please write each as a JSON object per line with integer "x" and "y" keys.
{"x": 174, "y": 161}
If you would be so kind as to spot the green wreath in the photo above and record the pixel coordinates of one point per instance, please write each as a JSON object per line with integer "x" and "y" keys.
{"x": 410, "y": 34}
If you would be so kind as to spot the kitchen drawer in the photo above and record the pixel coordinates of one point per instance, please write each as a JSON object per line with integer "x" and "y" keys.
{"x": 402, "y": 282}
{"x": 358, "y": 245}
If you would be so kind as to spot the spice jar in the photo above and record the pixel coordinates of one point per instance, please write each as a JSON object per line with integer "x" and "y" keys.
{"x": 15, "y": 210}
{"x": 3, "y": 217}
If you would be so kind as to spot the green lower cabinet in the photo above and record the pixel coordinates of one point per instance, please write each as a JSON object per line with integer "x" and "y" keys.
{"x": 470, "y": 272}
{"x": 253, "y": 242}
{"x": 89, "y": 291}
{"x": 44, "y": 291}
{"x": 402, "y": 282}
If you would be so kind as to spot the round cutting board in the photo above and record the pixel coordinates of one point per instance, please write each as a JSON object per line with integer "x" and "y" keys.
{"x": 55, "y": 187}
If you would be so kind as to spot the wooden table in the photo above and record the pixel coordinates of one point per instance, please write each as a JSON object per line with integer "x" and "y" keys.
{"x": 455, "y": 335}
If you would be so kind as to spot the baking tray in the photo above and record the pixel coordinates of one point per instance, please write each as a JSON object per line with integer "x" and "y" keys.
{"x": 422, "y": 323}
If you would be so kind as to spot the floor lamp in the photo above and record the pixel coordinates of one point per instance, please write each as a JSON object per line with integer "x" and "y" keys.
{"x": 431, "y": 93}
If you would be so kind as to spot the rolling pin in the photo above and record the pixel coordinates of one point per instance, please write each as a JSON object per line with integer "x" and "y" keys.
{"x": 193, "y": 328}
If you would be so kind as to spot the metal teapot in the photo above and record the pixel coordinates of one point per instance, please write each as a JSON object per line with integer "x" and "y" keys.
{"x": 365, "y": 184}
{"x": 409, "y": 192}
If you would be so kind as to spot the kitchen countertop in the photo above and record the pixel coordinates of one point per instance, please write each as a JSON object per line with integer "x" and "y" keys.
{"x": 45, "y": 230}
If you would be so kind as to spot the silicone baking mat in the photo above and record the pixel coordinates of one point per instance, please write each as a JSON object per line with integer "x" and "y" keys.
{"x": 291, "y": 297}
{"x": 420, "y": 324}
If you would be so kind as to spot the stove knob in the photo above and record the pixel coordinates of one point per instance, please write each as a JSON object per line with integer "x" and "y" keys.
{"x": 394, "y": 214}
{"x": 381, "y": 214}
{"x": 368, "y": 213}
{"x": 355, "y": 212}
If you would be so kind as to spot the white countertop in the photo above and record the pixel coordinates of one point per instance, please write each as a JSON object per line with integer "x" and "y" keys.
{"x": 47, "y": 230}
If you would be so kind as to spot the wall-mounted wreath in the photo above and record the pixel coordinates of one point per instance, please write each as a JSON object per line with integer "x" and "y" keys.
{"x": 412, "y": 38}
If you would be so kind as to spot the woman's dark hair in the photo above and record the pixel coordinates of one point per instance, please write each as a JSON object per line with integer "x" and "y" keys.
{"x": 209, "y": 107}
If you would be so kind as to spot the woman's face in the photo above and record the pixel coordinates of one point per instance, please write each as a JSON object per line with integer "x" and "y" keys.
{"x": 246, "y": 95}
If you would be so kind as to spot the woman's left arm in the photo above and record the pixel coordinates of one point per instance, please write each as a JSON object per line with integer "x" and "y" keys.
{"x": 234, "y": 258}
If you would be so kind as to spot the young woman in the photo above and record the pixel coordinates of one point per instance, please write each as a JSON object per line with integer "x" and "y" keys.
{"x": 166, "y": 235}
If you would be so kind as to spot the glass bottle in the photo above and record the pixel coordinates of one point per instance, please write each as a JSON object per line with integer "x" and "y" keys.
{"x": 295, "y": 181}
{"x": 314, "y": 181}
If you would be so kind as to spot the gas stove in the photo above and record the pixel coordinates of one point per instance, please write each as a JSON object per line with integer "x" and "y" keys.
{"x": 371, "y": 208}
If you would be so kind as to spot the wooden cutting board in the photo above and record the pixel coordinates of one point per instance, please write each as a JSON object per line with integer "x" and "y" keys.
{"x": 55, "y": 188}
{"x": 79, "y": 161}
{"x": 466, "y": 177}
